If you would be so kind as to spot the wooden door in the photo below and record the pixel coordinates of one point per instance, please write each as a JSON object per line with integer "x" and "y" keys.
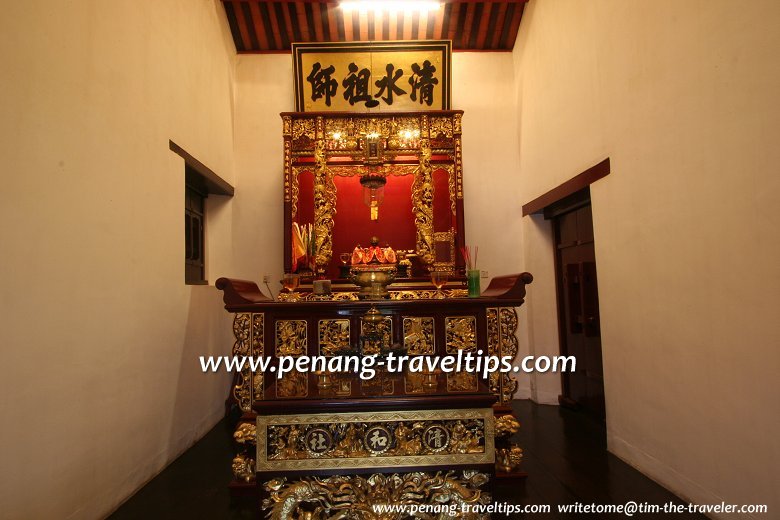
{"x": 578, "y": 307}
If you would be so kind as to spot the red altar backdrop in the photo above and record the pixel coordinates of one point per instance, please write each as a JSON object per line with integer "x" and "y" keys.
{"x": 353, "y": 224}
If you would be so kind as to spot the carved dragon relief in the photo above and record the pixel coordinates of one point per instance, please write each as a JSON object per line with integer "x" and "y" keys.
{"x": 352, "y": 496}
{"x": 422, "y": 200}
{"x": 324, "y": 207}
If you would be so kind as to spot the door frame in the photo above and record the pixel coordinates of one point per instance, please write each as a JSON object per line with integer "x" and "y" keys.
{"x": 568, "y": 196}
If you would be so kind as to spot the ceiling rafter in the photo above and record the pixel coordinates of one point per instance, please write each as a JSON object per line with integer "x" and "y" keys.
{"x": 269, "y": 26}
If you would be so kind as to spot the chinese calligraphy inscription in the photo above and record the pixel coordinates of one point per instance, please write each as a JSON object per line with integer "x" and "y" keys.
{"x": 384, "y": 76}
{"x": 377, "y": 439}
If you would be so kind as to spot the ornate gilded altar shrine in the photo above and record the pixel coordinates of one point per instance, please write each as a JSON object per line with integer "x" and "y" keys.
{"x": 307, "y": 434}
{"x": 319, "y": 441}
{"x": 418, "y": 157}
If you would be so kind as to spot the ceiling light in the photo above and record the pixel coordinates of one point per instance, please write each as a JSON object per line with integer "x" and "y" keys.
{"x": 387, "y": 6}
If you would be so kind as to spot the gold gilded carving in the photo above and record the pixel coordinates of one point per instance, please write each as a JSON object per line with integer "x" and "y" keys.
{"x": 286, "y": 125}
{"x": 506, "y": 426}
{"x": 258, "y": 329}
{"x": 458, "y": 169}
{"x": 446, "y": 237}
{"x": 284, "y": 443}
{"x": 395, "y": 170}
{"x": 437, "y": 438}
{"x": 241, "y": 333}
{"x": 324, "y": 206}
{"x": 427, "y": 295}
{"x": 502, "y": 342}
{"x": 245, "y": 433}
{"x": 509, "y": 459}
{"x": 303, "y": 128}
{"x": 334, "y": 337}
{"x": 422, "y": 199}
{"x": 493, "y": 331}
{"x": 461, "y": 333}
{"x": 243, "y": 468}
{"x": 343, "y": 385}
{"x": 385, "y": 330}
{"x": 453, "y": 191}
{"x": 353, "y": 295}
{"x": 293, "y": 384}
{"x": 508, "y": 320}
{"x": 318, "y": 441}
{"x": 508, "y": 388}
{"x": 344, "y": 171}
{"x": 292, "y": 442}
{"x": 378, "y": 439}
{"x": 418, "y": 336}
{"x": 353, "y": 496}
{"x": 311, "y": 297}
{"x": 414, "y": 383}
{"x": 295, "y": 187}
{"x": 461, "y": 382}
{"x": 441, "y": 127}
{"x": 287, "y": 170}
{"x": 242, "y": 388}
{"x": 291, "y": 338}
{"x": 281, "y": 441}
{"x": 378, "y": 385}
{"x": 495, "y": 384}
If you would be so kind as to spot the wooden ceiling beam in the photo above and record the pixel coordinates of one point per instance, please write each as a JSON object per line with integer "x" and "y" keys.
{"x": 259, "y": 26}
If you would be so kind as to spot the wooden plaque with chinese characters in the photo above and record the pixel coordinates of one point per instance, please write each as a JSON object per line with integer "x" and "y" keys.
{"x": 374, "y": 76}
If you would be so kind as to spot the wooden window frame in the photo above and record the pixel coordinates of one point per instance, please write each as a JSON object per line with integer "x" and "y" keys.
{"x": 199, "y": 182}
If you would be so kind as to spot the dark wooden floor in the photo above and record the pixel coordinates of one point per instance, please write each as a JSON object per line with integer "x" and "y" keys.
{"x": 565, "y": 457}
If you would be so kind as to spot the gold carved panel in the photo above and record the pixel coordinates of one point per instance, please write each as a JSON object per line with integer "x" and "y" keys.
{"x": 291, "y": 338}
{"x": 461, "y": 382}
{"x": 415, "y": 294}
{"x": 502, "y": 341}
{"x": 375, "y": 439}
{"x": 461, "y": 333}
{"x": 422, "y": 198}
{"x": 378, "y": 385}
{"x": 248, "y": 332}
{"x": 493, "y": 333}
{"x": 418, "y": 336}
{"x": 385, "y": 330}
{"x": 425, "y": 382}
{"x": 446, "y": 490}
{"x": 292, "y": 384}
{"x": 324, "y": 207}
{"x": 508, "y": 320}
{"x": 334, "y": 337}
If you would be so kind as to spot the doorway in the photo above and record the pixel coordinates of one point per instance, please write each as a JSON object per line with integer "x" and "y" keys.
{"x": 578, "y": 302}
{"x": 568, "y": 206}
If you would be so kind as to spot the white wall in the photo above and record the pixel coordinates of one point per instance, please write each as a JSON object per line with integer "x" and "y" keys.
{"x": 682, "y": 97}
{"x": 263, "y": 90}
{"x": 101, "y": 386}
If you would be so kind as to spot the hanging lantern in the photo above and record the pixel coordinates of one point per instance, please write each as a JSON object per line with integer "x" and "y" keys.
{"x": 373, "y": 192}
